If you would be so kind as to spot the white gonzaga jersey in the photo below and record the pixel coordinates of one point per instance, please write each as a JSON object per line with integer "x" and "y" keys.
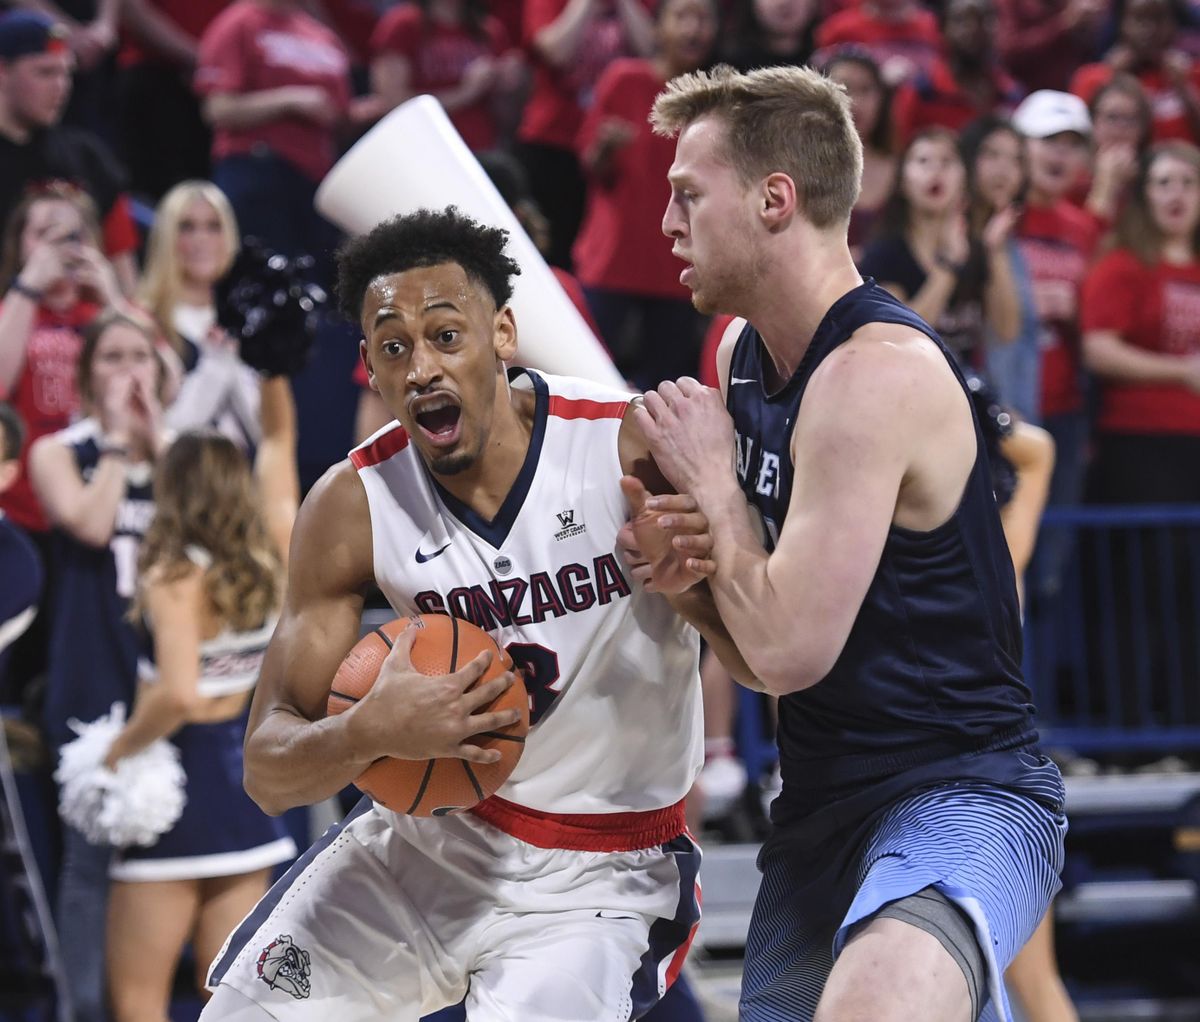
{"x": 612, "y": 671}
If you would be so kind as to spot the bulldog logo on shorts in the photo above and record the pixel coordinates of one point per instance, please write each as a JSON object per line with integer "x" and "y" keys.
{"x": 283, "y": 966}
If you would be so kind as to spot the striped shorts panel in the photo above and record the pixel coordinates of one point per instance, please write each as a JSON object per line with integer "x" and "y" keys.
{"x": 996, "y": 853}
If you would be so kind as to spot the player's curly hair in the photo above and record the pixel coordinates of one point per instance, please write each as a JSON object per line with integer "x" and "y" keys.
{"x": 425, "y": 238}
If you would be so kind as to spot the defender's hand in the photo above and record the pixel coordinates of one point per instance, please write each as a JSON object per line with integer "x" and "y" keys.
{"x": 668, "y": 547}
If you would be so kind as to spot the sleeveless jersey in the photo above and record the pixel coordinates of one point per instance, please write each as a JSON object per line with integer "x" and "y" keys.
{"x": 93, "y": 650}
{"x": 612, "y": 671}
{"x": 932, "y": 666}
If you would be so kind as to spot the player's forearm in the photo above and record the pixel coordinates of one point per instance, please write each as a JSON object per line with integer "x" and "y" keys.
{"x": 291, "y": 761}
{"x": 778, "y": 639}
{"x": 697, "y": 607}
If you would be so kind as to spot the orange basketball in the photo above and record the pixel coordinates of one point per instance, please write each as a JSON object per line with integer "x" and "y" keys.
{"x": 434, "y": 787}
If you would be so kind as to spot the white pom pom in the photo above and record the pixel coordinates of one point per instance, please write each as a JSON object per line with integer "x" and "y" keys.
{"x": 136, "y": 803}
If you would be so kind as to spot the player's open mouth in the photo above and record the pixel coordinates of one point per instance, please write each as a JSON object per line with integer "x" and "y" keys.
{"x": 438, "y": 418}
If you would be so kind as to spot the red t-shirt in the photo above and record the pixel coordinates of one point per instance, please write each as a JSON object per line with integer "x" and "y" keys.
{"x": 251, "y": 48}
{"x": 574, "y": 292}
{"x": 554, "y": 111}
{"x": 1057, "y": 243}
{"x": 1156, "y": 308}
{"x": 191, "y": 16}
{"x": 901, "y": 47}
{"x": 621, "y": 245}
{"x": 437, "y": 56}
{"x": 1166, "y": 106}
{"x": 934, "y": 98}
{"x": 45, "y": 397}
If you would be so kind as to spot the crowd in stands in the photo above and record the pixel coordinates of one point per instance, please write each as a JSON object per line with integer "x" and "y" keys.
{"x": 1031, "y": 187}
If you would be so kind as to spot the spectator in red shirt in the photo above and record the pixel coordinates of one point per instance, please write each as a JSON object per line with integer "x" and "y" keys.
{"x": 622, "y": 257}
{"x": 571, "y": 42}
{"x": 965, "y": 84}
{"x": 453, "y": 50}
{"x": 769, "y": 33}
{"x": 901, "y": 36}
{"x": 1042, "y": 42}
{"x": 1141, "y": 323}
{"x": 1145, "y": 48}
{"x": 275, "y": 84}
{"x": 870, "y": 105}
{"x": 55, "y": 281}
{"x": 1121, "y": 127}
{"x": 1057, "y": 240}
{"x": 35, "y": 84}
{"x": 163, "y": 137}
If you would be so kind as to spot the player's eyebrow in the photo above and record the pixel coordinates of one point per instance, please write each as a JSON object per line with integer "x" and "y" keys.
{"x": 442, "y": 303}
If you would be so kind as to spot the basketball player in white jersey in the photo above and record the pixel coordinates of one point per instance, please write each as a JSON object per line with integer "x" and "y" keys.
{"x": 571, "y": 896}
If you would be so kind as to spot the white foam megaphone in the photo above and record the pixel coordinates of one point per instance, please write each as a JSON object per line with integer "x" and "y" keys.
{"x": 415, "y": 159}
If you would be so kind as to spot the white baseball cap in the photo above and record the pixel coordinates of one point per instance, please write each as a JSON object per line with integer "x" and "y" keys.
{"x": 1048, "y": 112}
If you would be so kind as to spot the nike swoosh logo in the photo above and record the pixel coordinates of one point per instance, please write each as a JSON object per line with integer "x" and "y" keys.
{"x": 734, "y": 380}
{"x": 422, "y": 558}
{"x": 615, "y": 915}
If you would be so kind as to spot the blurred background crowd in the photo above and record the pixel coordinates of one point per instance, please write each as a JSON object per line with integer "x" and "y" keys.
{"x": 1031, "y": 187}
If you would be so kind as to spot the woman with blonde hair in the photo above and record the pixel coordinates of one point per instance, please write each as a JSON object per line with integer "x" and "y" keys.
{"x": 210, "y": 589}
{"x": 192, "y": 245}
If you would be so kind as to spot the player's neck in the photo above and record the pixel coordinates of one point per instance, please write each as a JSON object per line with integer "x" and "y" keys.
{"x": 806, "y": 282}
{"x": 486, "y": 484}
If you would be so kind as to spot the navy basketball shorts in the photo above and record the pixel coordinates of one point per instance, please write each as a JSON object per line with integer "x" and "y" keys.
{"x": 994, "y": 852}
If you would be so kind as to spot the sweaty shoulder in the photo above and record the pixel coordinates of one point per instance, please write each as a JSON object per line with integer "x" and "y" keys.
{"x": 331, "y": 542}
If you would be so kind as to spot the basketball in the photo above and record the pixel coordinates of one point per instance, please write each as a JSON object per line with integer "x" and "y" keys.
{"x": 434, "y": 787}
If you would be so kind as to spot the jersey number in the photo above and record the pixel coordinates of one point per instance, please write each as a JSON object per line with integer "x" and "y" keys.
{"x": 539, "y": 666}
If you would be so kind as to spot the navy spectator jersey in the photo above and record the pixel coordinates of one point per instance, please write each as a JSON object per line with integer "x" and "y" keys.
{"x": 930, "y": 677}
{"x": 93, "y": 646}
{"x": 21, "y": 569}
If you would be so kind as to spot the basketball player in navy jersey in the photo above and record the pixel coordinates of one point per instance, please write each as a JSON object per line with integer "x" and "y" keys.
{"x": 569, "y": 896}
{"x": 861, "y": 569}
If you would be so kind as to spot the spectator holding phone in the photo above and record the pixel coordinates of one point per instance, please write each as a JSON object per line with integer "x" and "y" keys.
{"x": 54, "y": 281}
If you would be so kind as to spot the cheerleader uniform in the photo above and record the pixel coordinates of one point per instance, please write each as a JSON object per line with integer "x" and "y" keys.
{"x": 221, "y": 832}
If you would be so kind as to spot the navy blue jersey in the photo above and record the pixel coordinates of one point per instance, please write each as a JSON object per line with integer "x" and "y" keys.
{"x": 931, "y": 671}
{"x": 21, "y": 569}
{"x": 94, "y": 648}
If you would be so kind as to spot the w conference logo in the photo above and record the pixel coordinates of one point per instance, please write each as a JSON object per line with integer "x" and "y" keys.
{"x": 567, "y": 527}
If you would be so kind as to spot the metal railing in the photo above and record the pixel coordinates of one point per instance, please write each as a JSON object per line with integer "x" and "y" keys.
{"x": 1112, "y": 637}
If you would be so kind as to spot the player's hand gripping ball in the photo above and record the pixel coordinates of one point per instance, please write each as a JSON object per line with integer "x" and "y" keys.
{"x": 434, "y": 787}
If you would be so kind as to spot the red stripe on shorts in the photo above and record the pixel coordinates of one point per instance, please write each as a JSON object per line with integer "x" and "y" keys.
{"x": 584, "y": 832}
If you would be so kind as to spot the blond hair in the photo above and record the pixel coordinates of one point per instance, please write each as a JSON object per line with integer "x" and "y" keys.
{"x": 790, "y": 120}
{"x": 205, "y": 497}
{"x": 162, "y": 282}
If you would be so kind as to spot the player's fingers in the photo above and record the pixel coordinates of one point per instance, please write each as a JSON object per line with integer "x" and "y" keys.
{"x": 635, "y": 492}
{"x": 473, "y": 670}
{"x": 401, "y": 651}
{"x": 483, "y": 694}
{"x": 494, "y": 721}
{"x": 628, "y": 542}
{"x": 668, "y": 502}
{"x": 690, "y": 387}
{"x": 691, "y": 523}
{"x": 669, "y": 392}
{"x": 702, "y": 566}
{"x": 654, "y": 408}
{"x": 641, "y": 573}
{"x": 474, "y": 754}
{"x": 697, "y": 545}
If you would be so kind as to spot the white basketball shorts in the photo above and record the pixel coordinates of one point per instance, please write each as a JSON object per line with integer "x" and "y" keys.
{"x": 394, "y": 917}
